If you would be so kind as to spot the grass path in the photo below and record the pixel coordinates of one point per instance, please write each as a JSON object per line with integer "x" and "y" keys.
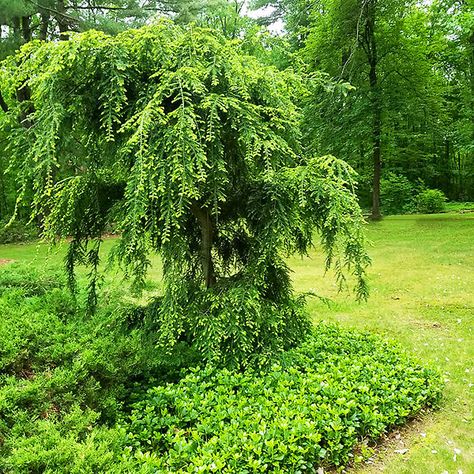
{"x": 422, "y": 295}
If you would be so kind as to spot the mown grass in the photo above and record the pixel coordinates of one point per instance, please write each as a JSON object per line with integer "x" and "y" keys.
{"x": 422, "y": 295}
{"x": 459, "y": 207}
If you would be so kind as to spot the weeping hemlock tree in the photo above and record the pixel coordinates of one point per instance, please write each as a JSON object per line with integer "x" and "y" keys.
{"x": 193, "y": 150}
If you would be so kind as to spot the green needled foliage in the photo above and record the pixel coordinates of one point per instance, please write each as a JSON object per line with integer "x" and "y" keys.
{"x": 192, "y": 149}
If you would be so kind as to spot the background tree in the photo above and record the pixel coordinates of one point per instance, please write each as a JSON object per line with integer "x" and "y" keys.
{"x": 417, "y": 53}
{"x": 453, "y": 27}
{"x": 24, "y": 20}
{"x": 194, "y": 150}
{"x": 368, "y": 43}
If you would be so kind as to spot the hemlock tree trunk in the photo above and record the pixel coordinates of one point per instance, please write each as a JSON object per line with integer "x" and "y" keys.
{"x": 207, "y": 235}
{"x": 3, "y": 104}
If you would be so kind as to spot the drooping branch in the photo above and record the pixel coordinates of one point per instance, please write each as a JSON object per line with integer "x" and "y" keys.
{"x": 55, "y": 12}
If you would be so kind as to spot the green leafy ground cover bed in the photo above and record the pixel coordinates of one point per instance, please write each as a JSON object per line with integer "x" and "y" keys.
{"x": 309, "y": 409}
{"x": 73, "y": 394}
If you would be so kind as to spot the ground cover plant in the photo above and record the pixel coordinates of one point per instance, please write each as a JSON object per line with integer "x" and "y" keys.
{"x": 65, "y": 374}
{"x": 310, "y": 409}
{"x": 69, "y": 385}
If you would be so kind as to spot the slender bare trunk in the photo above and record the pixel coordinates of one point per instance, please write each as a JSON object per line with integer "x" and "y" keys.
{"x": 43, "y": 35}
{"x": 17, "y": 28}
{"x": 376, "y": 145}
{"x": 26, "y": 29}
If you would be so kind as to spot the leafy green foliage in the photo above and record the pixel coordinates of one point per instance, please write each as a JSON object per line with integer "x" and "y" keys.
{"x": 460, "y": 207}
{"x": 398, "y": 194}
{"x": 430, "y": 201}
{"x": 193, "y": 149}
{"x": 73, "y": 393}
{"x": 308, "y": 410}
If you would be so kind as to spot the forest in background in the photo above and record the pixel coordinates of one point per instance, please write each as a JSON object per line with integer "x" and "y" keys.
{"x": 396, "y": 95}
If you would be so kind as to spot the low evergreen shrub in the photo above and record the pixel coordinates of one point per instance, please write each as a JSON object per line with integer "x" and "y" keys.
{"x": 70, "y": 441}
{"x": 66, "y": 376}
{"x": 397, "y": 194}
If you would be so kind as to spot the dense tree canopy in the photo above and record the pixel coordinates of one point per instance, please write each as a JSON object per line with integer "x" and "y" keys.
{"x": 193, "y": 150}
{"x": 410, "y": 113}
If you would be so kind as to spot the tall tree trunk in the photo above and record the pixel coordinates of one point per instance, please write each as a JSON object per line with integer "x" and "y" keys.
{"x": 207, "y": 236}
{"x": 376, "y": 143}
{"x": 471, "y": 64}
{"x": 16, "y": 28}
{"x": 43, "y": 35}
{"x": 369, "y": 45}
{"x": 26, "y": 29}
{"x": 3, "y": 194}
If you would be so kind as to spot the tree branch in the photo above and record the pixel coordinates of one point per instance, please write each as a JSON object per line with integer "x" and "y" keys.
{"x": 105, "y": 7}
{"x": 55, "y": 12}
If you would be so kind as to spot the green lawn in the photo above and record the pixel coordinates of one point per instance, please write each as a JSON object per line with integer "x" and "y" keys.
{"x": 422, "y": 295}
